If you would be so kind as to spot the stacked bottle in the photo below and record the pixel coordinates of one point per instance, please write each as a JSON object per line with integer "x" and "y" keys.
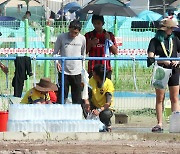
{"x": 175, "y": 122}
{"x": 51, "y": 118}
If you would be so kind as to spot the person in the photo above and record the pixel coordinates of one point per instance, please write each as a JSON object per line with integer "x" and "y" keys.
{"x": 71, "y": 44}
{"x": 95, "y": 41}
{"x": 40, "y": 93}
{"x": 27, "y": 15}
{"x": 171, "y": 15}
{"x": 165, "y": 44}
{"x": 100, "y": 96}
{"x": 4, "y": 68}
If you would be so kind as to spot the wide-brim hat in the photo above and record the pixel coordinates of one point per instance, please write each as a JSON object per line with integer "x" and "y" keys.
{"x": 167, "y": 23}
{"x": 45, "y": 84}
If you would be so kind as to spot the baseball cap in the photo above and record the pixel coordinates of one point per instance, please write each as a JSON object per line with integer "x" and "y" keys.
{"x": 167, "y": 23}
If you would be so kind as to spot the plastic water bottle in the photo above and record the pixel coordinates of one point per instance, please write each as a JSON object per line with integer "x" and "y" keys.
{"x": 175, "y": 122}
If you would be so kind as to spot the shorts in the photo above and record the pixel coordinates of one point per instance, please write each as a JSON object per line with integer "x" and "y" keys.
{"x": 174, "y": 79}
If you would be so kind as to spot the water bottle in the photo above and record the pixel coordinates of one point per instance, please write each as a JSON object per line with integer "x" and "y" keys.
{"x": 175, "y": 122}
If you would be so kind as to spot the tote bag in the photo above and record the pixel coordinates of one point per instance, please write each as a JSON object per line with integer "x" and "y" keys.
{"x": 160, "y": 77}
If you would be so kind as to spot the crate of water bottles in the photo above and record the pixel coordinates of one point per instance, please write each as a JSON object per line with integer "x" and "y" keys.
{"x": 54, "y": 126}
{"x": 51, "y": 118}
{"x": 45, "y": 112}
{"x": 175, "y": 122}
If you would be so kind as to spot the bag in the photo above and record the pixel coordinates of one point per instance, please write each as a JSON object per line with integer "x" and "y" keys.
{"x": 160, "y": 77}
{"x": 91, "y": 116}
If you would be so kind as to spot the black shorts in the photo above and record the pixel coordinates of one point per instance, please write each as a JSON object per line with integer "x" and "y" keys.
{"x": 174, "y": 79}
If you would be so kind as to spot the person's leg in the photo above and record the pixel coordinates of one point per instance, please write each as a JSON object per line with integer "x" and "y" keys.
{"x": 76, "y": 89}
{"x": 174, "y": 92}
{"x": 160, "y": 95}
{"x": 105, "y": 117}
{"x": 66, "y": 88}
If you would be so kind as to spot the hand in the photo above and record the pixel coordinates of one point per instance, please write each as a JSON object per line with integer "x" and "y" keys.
{"x": 107, "y": 36}
{"x": 87, "y": 105}
{"x": 5, "y": 69}
{"x": 95, "y": 112}
{"x": 174, "y": 63}
{"x": 93, "y": 42}
{"x": 49, "y": 102}
{"x": 59, "y": 68}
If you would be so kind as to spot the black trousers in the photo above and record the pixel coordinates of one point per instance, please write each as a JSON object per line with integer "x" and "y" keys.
{"x": 75, "y": 82}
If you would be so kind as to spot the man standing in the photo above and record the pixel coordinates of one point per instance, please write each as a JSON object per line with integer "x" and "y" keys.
{"x": 95, "y": 44}
{"x": 71, "y": 44}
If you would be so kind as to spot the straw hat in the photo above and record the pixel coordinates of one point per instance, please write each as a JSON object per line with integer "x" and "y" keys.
{"x": 45, "y": 84}
{"x": 166, "y": 23}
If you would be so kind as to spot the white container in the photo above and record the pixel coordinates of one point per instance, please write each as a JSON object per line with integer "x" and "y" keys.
{"x": 175, "y": 122}
{"x": 45, "y": 112}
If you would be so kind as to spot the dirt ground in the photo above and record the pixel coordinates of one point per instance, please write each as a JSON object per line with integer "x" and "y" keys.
{"x": 97, "y": 147}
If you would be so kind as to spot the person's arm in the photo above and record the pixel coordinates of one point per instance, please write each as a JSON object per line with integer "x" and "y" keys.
{"x": 4, "y": 68}
{"x": 83, "y": 48}
{"x": 178, "y": 45}
{"x": 57, "y": 46}
{"x": 108, "y": 102}
{"x": 113, "y": 48}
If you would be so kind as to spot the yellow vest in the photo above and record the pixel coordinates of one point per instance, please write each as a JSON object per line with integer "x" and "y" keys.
{"x": 98, "y": 94}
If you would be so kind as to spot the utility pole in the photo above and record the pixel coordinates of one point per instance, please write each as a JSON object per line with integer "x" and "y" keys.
{"x": 164, "y": 8}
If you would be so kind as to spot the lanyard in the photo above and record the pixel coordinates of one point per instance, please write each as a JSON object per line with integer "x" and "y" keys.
{"x": 170, "y": 46}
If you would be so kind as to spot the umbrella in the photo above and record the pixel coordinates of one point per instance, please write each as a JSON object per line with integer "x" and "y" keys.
{"x": 176, "y": 4}
{"x": 149, "y": 15}
{"x": 108, "y": 9}
{"x": 71, "y": 7}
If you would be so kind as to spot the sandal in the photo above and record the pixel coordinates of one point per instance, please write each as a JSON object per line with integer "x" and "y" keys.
{"x": 157, "y": 128}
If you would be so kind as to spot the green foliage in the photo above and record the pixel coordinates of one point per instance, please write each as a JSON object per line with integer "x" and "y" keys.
{"x": 126, "y": 82}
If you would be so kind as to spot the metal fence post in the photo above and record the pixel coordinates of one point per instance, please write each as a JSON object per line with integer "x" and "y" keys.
{"x": 116, "y": 67}
{"x": 26, "y": 42}
{"x": 47, "y": 41}
{"x": 62, "y": 79}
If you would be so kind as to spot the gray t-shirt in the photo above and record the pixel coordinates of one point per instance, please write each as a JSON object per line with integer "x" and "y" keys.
{"x": 68, "y": 47}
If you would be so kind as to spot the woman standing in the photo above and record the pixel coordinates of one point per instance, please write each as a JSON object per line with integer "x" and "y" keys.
{"x": 165, "y": 44}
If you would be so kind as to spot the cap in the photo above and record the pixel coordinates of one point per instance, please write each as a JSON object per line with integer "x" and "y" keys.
{"x": 167, "y": 23}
